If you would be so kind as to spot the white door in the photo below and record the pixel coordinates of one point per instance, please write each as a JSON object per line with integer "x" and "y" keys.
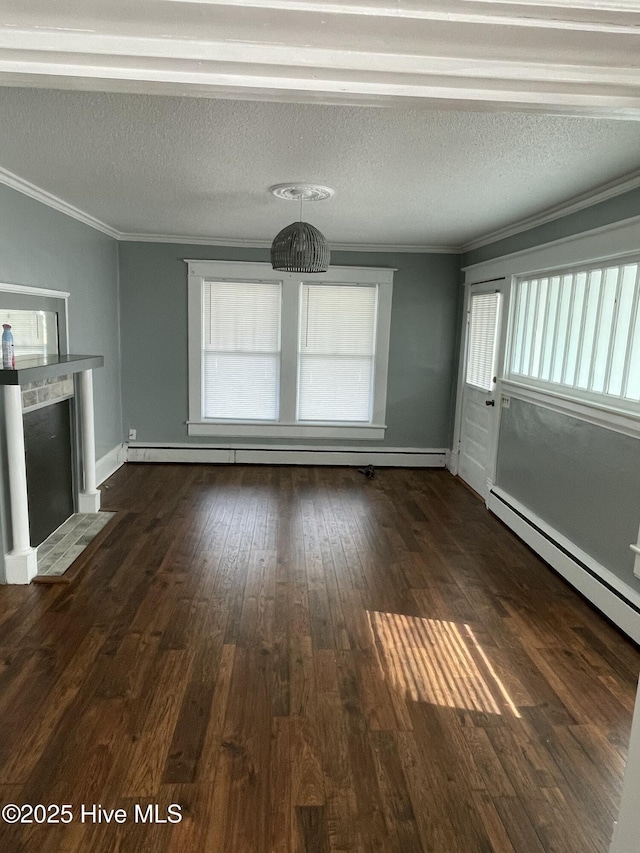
{"x": 478, "y": 408}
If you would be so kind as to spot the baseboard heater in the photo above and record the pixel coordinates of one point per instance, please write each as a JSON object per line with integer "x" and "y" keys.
{"x": 251, "y": 455}
{"x": 612, "y": 596}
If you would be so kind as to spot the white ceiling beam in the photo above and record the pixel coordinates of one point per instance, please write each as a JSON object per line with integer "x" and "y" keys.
{"x": 588, "y": 16}
{"x": 486, "y": 54}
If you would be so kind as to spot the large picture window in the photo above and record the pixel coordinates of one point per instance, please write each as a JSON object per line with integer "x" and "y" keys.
{"x": 272, "y": 353}
{"x": 578, "y": 332}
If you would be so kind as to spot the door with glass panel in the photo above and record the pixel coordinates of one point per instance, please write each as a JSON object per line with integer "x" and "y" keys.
{"x": 478, "y": 411}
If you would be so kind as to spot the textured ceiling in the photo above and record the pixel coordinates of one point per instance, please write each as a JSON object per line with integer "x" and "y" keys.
{"x": 436, "y": 121}
{"x": 146, "y": 164}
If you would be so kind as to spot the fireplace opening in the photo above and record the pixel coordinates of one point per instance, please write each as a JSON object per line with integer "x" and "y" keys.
{"x": 49, "y": 462}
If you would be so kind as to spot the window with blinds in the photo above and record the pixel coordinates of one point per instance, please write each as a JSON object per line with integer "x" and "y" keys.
{"x": 241, "y": 350}
{"x": 273, "y": 353}
{"x": 482, "y": 340}
{"x": 580, "y": 331}
{"x": 337, "y": 332}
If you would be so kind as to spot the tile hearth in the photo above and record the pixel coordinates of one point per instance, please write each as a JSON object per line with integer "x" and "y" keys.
{"x": 64, "y": 545}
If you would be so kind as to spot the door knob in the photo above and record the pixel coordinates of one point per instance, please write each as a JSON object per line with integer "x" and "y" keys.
{"x": 489, "y": 402}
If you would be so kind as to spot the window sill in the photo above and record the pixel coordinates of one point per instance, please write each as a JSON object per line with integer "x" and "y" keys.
{"x": 281, "y": 430}
{"x": 608, "y": 417}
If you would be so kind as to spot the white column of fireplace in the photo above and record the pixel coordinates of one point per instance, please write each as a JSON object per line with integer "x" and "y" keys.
{"x": 21, "y": 562}
{"x": 89, "y": 497}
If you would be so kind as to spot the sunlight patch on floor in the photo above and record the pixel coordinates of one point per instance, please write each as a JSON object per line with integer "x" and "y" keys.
{"x": 440, "y": 662}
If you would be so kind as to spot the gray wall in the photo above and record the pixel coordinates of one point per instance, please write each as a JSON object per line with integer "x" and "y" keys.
{"x": 605, "y": 213}
{"x": 153, "y": 287}
{"x": 580, "y": 478}
{"x": 41, "y": 247}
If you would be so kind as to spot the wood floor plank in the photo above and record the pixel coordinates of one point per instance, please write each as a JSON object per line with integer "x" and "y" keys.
{"x": 495, "y": 829}
{"x": 283, "y": 831}
{"x": 148, "y": 761}
{"x": 312, "y": 829}
{"x": 302, "y": 677}
{"x": 23, "y": 753}
{"x": 397, "y": 805}
{"x": 308, "y": 661}
{"x": 307, "y": 782}
{"x": 247, "y": 739}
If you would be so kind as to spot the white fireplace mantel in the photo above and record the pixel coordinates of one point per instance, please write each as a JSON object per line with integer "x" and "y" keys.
{"x": 21, "y": 564}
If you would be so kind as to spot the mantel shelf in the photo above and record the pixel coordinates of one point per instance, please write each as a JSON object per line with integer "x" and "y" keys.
{"x": 36, "y": 368}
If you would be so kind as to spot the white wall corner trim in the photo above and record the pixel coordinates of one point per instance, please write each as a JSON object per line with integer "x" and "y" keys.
{"x": 23, "y": 186}
{"x": 616, "y": 599}
{"x": 257, "y": 455}
{"x": 110, "y": 462}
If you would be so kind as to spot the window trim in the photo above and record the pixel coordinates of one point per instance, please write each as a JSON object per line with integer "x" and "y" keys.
{"x": 288, "y": 427}
{"x": 607, "y": 417}
{"x": 580, "y": 402}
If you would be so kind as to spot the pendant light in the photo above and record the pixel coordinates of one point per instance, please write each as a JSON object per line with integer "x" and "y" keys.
{"x": 300, "y": 247}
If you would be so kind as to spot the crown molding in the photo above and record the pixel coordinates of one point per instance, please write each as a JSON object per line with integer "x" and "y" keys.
{"x": 580, "y": 202}
{"x": 633, "y": 222}
{"x": 9, "y": 179}
{"x": 607, "y": 191}
{"x": 266, "y": 244}
{"x": 399, "y": 247}
{"x": 236, "y": 243}
{"x": 23, "y": 186}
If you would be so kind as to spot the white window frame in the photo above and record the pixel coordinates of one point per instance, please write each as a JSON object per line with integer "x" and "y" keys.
{"x": 576, "y": 400}
{"x": 287, "y": 426}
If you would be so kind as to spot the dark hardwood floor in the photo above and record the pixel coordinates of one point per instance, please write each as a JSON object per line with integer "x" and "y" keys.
{"x": 307, "y": 660}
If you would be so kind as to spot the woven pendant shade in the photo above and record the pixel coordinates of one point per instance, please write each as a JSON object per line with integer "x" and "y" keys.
{"x": 300, "y": 248}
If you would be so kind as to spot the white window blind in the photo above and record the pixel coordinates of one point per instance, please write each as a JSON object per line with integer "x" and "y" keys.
{"x": 483, "y": 336}
{"x": 241, "y": 350}
{"x": 580, "y": 330}
{"x": 34, "y": 332}
{"x": 336, "y": 352}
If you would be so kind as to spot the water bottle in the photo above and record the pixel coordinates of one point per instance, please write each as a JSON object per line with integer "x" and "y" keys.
{"x": 8, "y": 357}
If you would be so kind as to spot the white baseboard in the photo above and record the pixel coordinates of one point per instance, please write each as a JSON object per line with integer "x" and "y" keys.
{"x": 381, "y": 457}
{"x": 612, "y": 596}
{"x": 179, "y": 454}
{"x": 110, "y": 462}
